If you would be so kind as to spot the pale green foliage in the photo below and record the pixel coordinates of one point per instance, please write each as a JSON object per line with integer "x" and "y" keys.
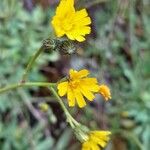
{"x": 21, "y": 34}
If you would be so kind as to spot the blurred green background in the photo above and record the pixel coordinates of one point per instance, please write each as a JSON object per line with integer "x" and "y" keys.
{"x": 117, "y": 52}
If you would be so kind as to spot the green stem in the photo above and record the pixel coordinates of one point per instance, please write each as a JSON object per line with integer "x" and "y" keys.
{"x": 26, "y": 84}
{"x": 30, "y": 64}
{"x": 70, "y": 119}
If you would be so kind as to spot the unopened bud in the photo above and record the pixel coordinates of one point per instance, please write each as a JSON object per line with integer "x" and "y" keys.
{"x": 67, "y": 47}
{"x": 62, "y": 46}
{"x": 43, "y": 107}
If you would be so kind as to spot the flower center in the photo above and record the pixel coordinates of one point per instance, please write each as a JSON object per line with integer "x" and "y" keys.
{"x": 67, "y": 25}
{"x": 74, "y": 84}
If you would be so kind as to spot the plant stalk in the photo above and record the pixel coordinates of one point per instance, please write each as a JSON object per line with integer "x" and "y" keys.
{"x": 30, "y": 64}
{"x": 73, "y": 123}
{"x": 26, "y": 84}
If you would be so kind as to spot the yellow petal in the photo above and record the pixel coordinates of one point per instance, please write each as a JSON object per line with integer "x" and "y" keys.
{"x": 105, "y": 91}
{"x": 78, "y": 74}
{"x": 65, "y": 7}
{"x": 62, "y": 88}
{"x": 101, "y": 133}
{"x": 72, "y": 73}
{"x": 90, "y": 81}
{"x": 70, "y": 97}
{"x": 80, "y": 15}
{"x": 99, "y": 141}
{"x": 84, "y": 30}
{"x": 90, "y": 84}
{"x": 79, "y": 38}
{"x": 93, "y": 88}
{"x": 80, "y": 100}
{"x": 59, "y": 32}
{"x": 82, "y": 73}
{"x": 94, "y": 146}
{"x": 70, "y": 36}
{"x": 88, "y": 94}
{"x": 86, "y": 145}
{"x": 85, "y": 21}
{"x": 77, "y": 35}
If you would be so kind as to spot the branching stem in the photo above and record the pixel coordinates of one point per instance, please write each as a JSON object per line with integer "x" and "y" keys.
{"x": 26, "y": 84}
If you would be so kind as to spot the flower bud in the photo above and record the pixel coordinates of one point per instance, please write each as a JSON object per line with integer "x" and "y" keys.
{"x": 62, "y": 46}
{"x": 67, "y": 47}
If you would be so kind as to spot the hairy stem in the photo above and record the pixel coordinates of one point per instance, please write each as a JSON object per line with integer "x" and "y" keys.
{"x": 30, "y": 64}
{"x": 70, "y": 119}
{"x": 27, "y": 84}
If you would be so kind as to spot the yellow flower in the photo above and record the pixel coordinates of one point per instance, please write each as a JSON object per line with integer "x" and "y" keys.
{"x": 96, "y": 140}
{"x": 105, "y": 91}
{"x": 77, "y": 87}
{"x": 67, "y": 21}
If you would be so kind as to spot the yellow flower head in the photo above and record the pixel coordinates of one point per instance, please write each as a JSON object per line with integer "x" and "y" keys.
{"x": 69, "y": 22}
{"x": 77, "y": 87}
{"x": 105, "y": 91}
{"x": 97, "y": 140}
